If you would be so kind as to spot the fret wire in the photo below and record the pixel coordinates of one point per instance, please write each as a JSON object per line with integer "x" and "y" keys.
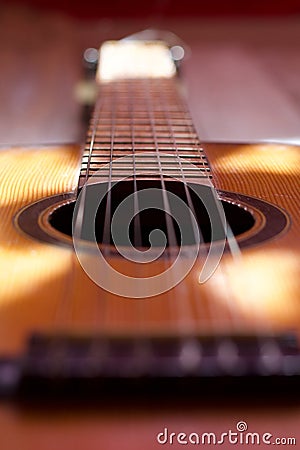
{"x": 192, "y": 148}
{"x": 119, "y": 151}
{"x": 145, "y": 161}
{"x": 122, "y": 123}
{"x": 101, "y": 129}
{"x": 146, "y": 136}
{"x": 166, "y": 165}
{"x": 124, "y": 139}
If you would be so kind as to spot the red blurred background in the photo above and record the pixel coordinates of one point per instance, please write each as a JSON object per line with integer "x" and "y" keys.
{"x": 243, "y": 76}
{"x": 168, "y": 8}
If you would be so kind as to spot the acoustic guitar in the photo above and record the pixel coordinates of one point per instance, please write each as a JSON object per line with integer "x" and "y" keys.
{"x": 148, "y": 262}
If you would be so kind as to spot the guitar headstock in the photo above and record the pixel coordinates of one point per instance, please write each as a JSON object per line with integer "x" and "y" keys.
{"x": 130, "y": 59}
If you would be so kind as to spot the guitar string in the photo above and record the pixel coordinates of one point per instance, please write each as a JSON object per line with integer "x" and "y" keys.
{"x": 171, "y": 239}
{"x": 171, "y": 236}
{"x": 63, "y": 313}
{"x": 99, "y": 309}
{"x": 107, "y": 214}
{"x": 141, "y": 313}
{"x": 95, "y": 119}
{"x": 214, "y": 311}
{"x": 189, "y": 322}
{"x": 137, "y": 222}
{"x": 102, "y": 312}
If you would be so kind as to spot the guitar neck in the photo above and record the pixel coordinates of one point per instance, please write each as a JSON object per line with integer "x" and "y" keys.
{"x": 141, "y": 114}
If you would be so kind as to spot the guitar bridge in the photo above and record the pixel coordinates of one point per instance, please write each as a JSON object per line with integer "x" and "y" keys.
{"x": 96, "y": 366}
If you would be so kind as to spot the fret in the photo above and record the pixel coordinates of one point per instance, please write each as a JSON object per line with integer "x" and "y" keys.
{"x": 171, "y": 161}
{"x": 140, "y": 138}
{"x": 186, "y": 140}
{"x": 128, "y": 171}
{"x": 102, "y": 129}
{"x": 172, "y": 172}
{"x": 120, "y": 122}
{"x": 122, "y": 150}
{"x": 101, "y": 158}
{"x": 145, "y": 159}
{"x": 143, "y": 131}
{"x": 138, "y": 176}
{"x": 145, "y": 148}
{"x": 150, "y": 175}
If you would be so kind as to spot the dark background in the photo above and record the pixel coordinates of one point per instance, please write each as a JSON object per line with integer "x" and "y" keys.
{"x": 167, "y": 8}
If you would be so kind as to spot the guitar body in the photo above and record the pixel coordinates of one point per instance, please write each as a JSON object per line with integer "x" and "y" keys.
{"x": 37, "y": 295}
{"x": 44, "y": 288}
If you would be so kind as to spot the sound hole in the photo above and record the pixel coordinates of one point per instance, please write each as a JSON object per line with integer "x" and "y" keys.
{"x": 239, "y": 219}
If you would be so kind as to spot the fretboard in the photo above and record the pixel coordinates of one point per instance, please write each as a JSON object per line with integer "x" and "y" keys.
{"x": 146, "y": 120}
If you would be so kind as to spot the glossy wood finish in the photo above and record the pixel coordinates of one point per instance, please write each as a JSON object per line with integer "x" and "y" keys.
{"x": 43, "y": 287}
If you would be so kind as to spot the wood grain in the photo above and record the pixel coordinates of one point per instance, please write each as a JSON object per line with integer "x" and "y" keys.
{"x": 44, "y": 287}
